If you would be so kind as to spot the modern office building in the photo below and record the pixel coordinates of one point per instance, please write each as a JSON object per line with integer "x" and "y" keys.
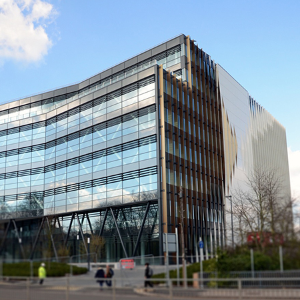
{"x": 105, "y": 159}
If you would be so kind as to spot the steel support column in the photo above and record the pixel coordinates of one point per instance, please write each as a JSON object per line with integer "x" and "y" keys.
{"x": 69, "y": 229}
{"x": 82, "y": 220}
{"x": 81, "y": 232}
{"x": 121, "y": 240}
{"x": 36, "y": 239}
{"x": 89, "y": 221}
{"x": 126, "y": 225}
{"x": 60, "y": 228}
{"x": 52, "y": 241}
{"x": 104, "y": 220}
{"x": 141, "y": 229}
{"x": 5, "y": 235}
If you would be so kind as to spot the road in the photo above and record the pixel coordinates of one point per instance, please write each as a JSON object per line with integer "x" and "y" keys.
{"x": 129, "y": 285}
{"x": 19, "y": 291}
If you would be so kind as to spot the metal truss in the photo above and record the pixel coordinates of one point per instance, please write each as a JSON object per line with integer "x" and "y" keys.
{"x": 118, "y": 230}
{"x": 141, "y": 230}
{"x": 36, "y": 239}
{"x": 81, "y": 232}
{"x": 52, "y": 241}
{"x": 4, "y": 237}
{"x": 126, "y": 214}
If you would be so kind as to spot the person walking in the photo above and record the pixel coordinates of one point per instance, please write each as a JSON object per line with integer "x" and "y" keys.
{"x": 148, "y": 275}
{"x": 100, "y": 274}
{"x": 109, "y": 274}
{"x": 42, "y": 273}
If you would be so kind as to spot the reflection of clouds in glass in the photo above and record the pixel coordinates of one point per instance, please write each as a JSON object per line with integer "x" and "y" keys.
{"x": 126, "y": 192}
{"x": 137, "y": 189}
{"x": 59, "y": 184}
{"x": 100, "y": 189}
{"x": 148, "y": 131}
{"x": 113, "y": 193}
{"x": 83, "y": 193}
{"x": 85, "y": 205}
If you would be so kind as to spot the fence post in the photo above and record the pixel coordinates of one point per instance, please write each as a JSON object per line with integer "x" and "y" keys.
{"x": 252, "y": 262}
{"x": 31, "y": 269}
{"x": 1, "y": 267}
{"x": 167, "y": 258}
{"x": 240, "y": 288}
{"x": 177, "y": 256}
{"x": 113, "y": 289}
{"x": 27, "y": 289}
{"x": 68, "y": 288}
{"x": 170, "y": 289}
{"x": 280, "y": 258}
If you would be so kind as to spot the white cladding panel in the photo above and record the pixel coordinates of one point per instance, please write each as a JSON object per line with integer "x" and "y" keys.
{"x": 261, "y": 139}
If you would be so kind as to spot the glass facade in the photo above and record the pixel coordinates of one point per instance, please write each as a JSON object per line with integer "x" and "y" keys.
{"x": 81, "y": 155}
{"x": 101, "y": 226}
{"x": 114, "y": 158}
{"x": 90, "y": 155}
{"x": 166, "y": 58}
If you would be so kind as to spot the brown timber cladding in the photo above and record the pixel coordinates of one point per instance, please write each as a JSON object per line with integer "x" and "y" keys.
{"x": 196, "y": 103}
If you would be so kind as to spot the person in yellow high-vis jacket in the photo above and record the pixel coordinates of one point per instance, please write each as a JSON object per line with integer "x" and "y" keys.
{"x": 42, "y": 273}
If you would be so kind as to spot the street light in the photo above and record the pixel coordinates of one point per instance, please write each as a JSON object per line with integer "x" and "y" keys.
{"x": 232, "y": 237}
{"x": 88, "y": 242}
{"x": 77, "y": 249}
{"x": 182, "y": 238}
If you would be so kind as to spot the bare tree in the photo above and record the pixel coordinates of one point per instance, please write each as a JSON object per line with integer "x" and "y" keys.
{"x": 262, "y": 210}
{"x": 97, "y": 245}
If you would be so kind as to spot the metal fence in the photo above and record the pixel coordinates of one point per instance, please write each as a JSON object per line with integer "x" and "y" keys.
{"x": 66, "y": 288}
{"x": 252, "y": 275}
{"x": 266, "y": 274}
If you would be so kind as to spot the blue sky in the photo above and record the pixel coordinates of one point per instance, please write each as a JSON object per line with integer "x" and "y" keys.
{"x": 52, "y": 43}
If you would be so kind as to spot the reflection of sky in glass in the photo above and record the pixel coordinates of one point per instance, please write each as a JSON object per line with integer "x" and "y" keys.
{"x": 119, "y": 192}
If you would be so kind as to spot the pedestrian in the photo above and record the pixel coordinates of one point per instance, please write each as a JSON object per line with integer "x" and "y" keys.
{"x": 109, "y": 274}
{"x": 100, "y": 274}
{"x": 148, "y": 275}
{"x": 42, "y": 273}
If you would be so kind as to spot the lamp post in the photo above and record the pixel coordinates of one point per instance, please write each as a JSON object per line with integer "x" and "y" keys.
{"x": 77, "y": 249}
{"x": 201, "y": 260}
{"x": 182, "y": 239}
{"x": 232, "y": 237}
{"x": 88, "y": 242}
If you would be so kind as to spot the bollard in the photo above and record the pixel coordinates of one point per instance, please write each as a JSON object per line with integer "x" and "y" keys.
{"x": 196, "y": 281}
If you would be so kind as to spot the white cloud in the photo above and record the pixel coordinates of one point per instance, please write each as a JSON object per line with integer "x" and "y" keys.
{"x": 23, "y": 34}
{"x": 294, "y": 165}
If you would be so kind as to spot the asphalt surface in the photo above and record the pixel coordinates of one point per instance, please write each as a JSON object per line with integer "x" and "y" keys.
{"x": 16, "y": 290}
{"x": 129, "y": 285}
